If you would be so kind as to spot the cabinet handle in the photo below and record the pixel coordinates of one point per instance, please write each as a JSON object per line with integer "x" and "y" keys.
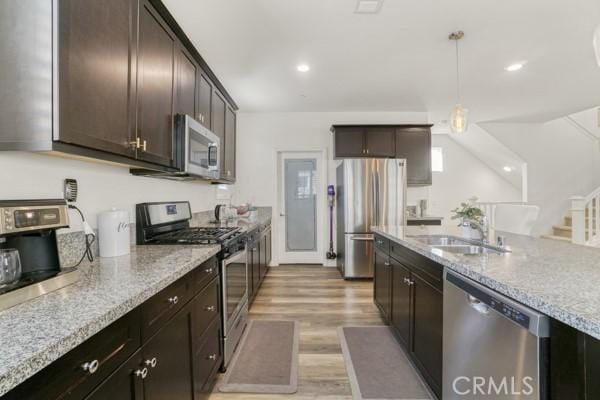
{"x": 173, "y": 300}
{"x": 379, "y": 242}
{"x": 144, "y": 145}
{"x": 91, "y": 366}
{"x": 406, "y": 280}
{"x": 210, "y": 308}
{"x": 387, "y": 264}
{"x": 367, "y": 151}
{"x": 152, "y": 362}
{"x": 143, "y": 373}
{"x": 209, "y": 270}
{"x": 212, "y": 357}
{"x": 137, "y": 143}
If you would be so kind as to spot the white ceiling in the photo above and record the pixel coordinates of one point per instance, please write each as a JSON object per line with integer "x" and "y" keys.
{"x": 400, "y": 59}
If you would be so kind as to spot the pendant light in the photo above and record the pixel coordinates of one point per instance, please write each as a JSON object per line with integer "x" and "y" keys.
{"x": 597, "y": 44}
{"x": 459, "y": 115}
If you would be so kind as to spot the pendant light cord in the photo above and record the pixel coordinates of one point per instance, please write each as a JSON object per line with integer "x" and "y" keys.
{"x": 457, "y": 75}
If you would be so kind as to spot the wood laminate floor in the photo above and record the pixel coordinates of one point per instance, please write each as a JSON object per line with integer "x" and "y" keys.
{"x": 322, "y": 301}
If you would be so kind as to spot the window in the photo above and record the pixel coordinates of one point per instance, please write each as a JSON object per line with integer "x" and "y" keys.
{"x": 437, "y": 159}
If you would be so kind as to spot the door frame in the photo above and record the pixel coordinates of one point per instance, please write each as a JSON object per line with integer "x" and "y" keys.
{"x": 278, "y": 226}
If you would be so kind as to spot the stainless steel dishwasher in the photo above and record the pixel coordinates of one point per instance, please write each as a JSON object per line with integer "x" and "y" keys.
{"x": 494, "y": 347}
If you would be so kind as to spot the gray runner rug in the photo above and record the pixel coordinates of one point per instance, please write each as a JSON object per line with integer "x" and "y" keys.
{"x": 377, "y": 367}
{"x": 266, "y": 360}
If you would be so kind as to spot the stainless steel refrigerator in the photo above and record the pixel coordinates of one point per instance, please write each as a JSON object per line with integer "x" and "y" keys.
{"x": 370, "y": 192}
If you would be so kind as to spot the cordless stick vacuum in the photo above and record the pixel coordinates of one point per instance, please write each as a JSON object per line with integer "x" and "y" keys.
{"x": 330, "y": 201}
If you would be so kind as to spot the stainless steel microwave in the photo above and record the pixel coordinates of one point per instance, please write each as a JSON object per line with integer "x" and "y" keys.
{"x": 201, "y": 148}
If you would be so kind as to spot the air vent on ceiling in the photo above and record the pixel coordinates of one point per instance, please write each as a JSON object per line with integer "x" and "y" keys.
{"x": 368, "y": 6}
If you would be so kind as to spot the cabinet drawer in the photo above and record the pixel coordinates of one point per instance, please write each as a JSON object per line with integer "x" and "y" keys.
{"x": 205, "y": 273}
{"x": 429, "y": 270}
{"x": 382, "y": 244}
{"x": 207, "y": 359}
{"x": 75, "y": 374}
{"x": 162, "y": 306}
{"x": 206, "y": 307}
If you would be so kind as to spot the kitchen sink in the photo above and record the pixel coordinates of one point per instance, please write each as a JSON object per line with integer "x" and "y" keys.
{"x": 457, "y": 245}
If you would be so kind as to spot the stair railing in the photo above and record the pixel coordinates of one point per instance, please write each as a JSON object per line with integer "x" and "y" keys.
{"x": 489, "y": 209}
{"x": 585, "y": 218}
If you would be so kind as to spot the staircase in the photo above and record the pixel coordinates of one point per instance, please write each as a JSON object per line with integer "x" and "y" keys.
{"x": 562, "y": 232}
{"x": 583, "y": 225}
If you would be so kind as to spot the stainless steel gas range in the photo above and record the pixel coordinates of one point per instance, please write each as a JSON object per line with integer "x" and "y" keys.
{"x": 169, "y": 223}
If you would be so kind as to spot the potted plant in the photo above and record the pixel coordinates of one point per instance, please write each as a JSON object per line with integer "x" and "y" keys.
{"x": 470, "y": 217}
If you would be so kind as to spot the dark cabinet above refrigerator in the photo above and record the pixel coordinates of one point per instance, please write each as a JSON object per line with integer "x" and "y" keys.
{"x": 410, "y": 142}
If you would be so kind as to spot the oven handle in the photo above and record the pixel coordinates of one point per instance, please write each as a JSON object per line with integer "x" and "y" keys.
{"x": 231, "y": 258}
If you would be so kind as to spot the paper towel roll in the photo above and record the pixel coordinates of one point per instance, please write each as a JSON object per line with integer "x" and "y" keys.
{"x": 113, "y": 232}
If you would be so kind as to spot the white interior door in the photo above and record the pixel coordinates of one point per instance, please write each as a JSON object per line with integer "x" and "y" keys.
{"x": 301, "y": 216}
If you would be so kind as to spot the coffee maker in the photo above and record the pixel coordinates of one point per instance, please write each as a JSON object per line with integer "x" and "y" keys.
{"x": 29, "y": 226}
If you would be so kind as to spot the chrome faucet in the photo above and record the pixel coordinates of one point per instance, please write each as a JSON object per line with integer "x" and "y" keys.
{"x": 482, "y": 227}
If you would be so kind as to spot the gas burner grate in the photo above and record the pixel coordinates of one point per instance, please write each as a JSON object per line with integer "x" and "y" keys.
{"x": 198, "y": 235}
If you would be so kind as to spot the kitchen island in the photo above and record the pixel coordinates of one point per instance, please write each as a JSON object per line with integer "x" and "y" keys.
{"x": 556, "y": 279}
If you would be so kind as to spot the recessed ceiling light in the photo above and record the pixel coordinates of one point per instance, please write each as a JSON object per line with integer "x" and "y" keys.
{"x": 368, "y": 6}
{"x": 515, "y": 67}
{"x": 303, "y": 68}
{"x": 507, "y": 168}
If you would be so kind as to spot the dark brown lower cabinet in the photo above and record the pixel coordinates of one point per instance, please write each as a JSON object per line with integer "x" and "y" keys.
{"x": 382, "y": 283}
{"x": 263, "y": 256}
{"x": 167, "y": 357}
{"x": 408, "y": 292}
{"x": 177, "y": 360}
{"x": 401, "y": 301}
{"x": 427, "y": 311}
{"x": 254, "y": 266}
{"x": 259, "y": 258}
{"x": 126, "y": 383}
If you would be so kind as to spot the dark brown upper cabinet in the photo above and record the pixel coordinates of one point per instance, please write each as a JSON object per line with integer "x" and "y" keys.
{"x": 364, "y": 141}
{"x": 96, "y": 66}
{"x": 230, "y": 144}
{"x": 186, "y": 88}
{"x": 155, "y": 82}
{"x": 219, "y": 105}
{"x": 380, "y": 142}
{"x": 205, "y": 96}
{"x": 413, "y": 143}
{"x": 349, "y": 142}
{"x": 122, "y": 69}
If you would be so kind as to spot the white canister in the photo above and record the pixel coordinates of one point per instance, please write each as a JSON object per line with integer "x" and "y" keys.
{"x": 113, "y": 231}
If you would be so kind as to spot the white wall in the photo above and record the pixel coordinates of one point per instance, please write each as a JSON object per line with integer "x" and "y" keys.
{"x": 464, "y": 176}
{"x": 33, "y": 175}
{"x": 561, "y": 161}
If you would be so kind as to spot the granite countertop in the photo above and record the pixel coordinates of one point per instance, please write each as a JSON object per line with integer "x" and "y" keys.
{"x": 263, "y": 217}
{"x": 558, "y": 279}
{"x": 38, "y": 332}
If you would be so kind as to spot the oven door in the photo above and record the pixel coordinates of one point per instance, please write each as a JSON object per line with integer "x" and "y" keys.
{"x": 201, "y": 150}
{"x": 235, "y": 287}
